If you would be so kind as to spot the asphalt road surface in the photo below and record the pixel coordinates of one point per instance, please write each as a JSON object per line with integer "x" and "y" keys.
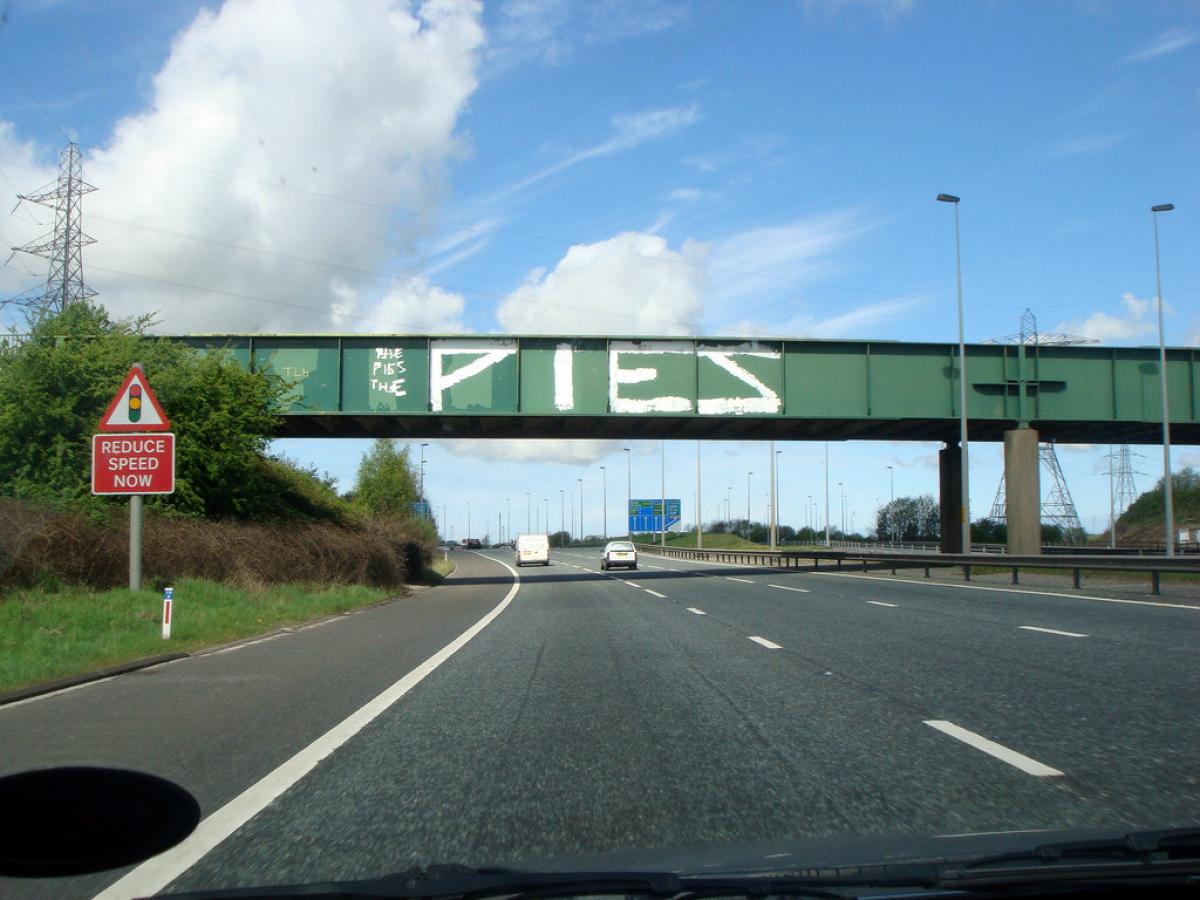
{"x": 680, "y": 705}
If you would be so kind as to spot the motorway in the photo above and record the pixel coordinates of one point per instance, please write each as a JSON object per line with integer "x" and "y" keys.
{"x": 681, "y": 705}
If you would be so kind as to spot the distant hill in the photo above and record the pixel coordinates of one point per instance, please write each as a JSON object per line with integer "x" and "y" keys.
{"x": 1142, "y": 522}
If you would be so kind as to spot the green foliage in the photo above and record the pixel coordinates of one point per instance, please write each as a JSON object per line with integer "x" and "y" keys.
{"x": 386, "y": 485}
{"x": 909, "y": 519}
{"x": 55, "y": 386}
{"x": 1148, "y": 509}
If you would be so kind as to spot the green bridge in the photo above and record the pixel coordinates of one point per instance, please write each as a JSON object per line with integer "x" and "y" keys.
{"x": 715, "y": 388}
{"x": 734, "y": 388}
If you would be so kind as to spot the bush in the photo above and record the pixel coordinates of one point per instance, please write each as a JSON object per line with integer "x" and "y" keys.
{"x": 40, "y": 547}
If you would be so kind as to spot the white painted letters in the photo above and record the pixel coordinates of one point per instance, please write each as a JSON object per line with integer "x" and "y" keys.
{"x": 564, "y": 378}
{"x": 618, "y": 376}
{"x": 488, "y": 352}
{"x": 767, "y": 400}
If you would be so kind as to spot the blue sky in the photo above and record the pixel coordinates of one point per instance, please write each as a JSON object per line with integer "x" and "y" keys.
{"x": 624, "y": 166}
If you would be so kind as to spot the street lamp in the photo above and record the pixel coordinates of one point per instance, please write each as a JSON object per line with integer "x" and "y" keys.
{"x": 748, "y": 474}
{"x": 423, "y": 446}
{"x": 546, "y": 501}
{"x": 528, "y": 514}
{"x": 508, "y": 517}
{"x": 891, "y": 500}
{"x": 699, "y": 501}
{"x": 582, "y": 533}
{"x": 842, "y": 517}
{"x": 662, "y": 485}
{"x": 562, "y": 510}
{"x": 964, "y": 509}
{"x": 1168, "y": 499}
{"x": 604, "y": 482}
{"x": 774, "y": 496}
{"x": 628, "y": 491}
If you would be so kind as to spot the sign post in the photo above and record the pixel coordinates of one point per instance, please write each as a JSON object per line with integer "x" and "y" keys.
{"x": 134, "y": 455}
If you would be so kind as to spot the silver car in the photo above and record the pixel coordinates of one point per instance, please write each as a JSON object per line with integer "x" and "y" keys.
{"x": 619, "y": 553}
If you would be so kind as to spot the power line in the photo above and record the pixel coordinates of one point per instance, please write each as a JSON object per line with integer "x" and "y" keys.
{"x": 45, "y": 112}
{"x": 476, "y": 227}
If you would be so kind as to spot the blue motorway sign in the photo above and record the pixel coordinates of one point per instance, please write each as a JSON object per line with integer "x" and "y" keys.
{"x": 420, "y": 510}
{"x": 646, "y": 515}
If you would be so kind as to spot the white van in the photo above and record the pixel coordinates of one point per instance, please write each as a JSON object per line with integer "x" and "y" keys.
{"x": 533, "y": 548}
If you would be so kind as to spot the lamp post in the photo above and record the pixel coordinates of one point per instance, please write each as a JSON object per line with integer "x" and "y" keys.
{"x": 774, "y": 496}
{"x": 562, "y": 510}
{"x": 891, "y": 500}
{"x": 628, "y": 491}
{"x": 842, "y": 517}
{"x": 546, "y": 503}
{"x": 1168, "y": 499}
{"x": 748, "y": 474}
{"x": 699, "y": 501}
{"x": 964, "y": 509}
{"x": 582, "y": 533}
{"x": 423, "y": 446}
{"x": 508, "y": 517}
{"x": 827, "y": 493}
{"x": 729, "y": 504}
{"x": 662, "y": 454}
{"x": 528, "y": 514}
{"x": 604, "y": 482}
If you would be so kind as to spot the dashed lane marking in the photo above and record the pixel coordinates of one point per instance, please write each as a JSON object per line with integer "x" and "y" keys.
{"x": 1018, "y": 760}
{"x": 785, "y": 587}
{"x": 1074, "y": 634}
{"x": 770, "y": 645}
{"x": 698, "y": 612}
{"x": 881, "y": 603}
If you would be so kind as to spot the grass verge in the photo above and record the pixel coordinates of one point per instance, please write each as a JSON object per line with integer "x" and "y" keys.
{"x": 46, "y": 635}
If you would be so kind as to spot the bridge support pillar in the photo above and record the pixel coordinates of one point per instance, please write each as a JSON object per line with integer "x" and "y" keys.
{"x": 950, "y": 496}
{"x": 1022, "y": 492}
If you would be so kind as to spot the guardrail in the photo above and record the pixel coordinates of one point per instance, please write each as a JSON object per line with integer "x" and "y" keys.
{"x": 797, "y": 559}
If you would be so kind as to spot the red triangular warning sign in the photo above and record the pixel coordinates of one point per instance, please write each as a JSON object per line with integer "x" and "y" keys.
{"x": 134, "y": 407}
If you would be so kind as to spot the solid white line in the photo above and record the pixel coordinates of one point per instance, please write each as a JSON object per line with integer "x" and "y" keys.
{"x": 979, "y": 587}
{"x": 656, "y": 594}
{"x": 631, "y": 584}
{"x": 881, "y": 603}
{"x": 1012, "y": 757}
{"x": 1052, "y": 631}
{"x": 770, "y": 645}
{"x": 784, "y": 587}
{"x": 157, "y": 872}
{"x": 698, "y": 612}
{"x": 742, "y": 580}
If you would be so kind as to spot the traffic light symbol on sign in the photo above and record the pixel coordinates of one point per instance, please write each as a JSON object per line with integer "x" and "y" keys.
{"x": 135, "y": 402}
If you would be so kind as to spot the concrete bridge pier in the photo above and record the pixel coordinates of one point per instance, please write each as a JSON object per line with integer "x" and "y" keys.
{"x": 950, "y": 496}
{"x": 1022, "y": 491}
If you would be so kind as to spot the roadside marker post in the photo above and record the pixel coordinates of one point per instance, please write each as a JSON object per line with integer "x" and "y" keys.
{"x": 168, "y": 601}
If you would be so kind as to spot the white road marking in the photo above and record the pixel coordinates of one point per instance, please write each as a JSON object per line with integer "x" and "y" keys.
{"x": 742, "y": 580}
{"x": 785, "y": 587}
{"x": 656, "y": 594}
{"x": 999, "y": 751}
{"x": 649, "y": 566}
{"x": 980, "y": 587}
{"x": 770, "y": 645}
{"x": 1052, "y": 631}
{"x": 698, "y": 612}
{"x": 157, "y": 872}
{"x": 881, "y": 603}
{"x": 631, "y": 584}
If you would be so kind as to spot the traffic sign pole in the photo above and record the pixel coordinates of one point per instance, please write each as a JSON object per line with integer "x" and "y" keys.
{"x": 135, "y": 527}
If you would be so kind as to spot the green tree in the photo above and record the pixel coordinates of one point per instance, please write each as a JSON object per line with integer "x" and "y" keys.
{"x": 386, "y": 485}
{"x": 909, "y": 519}
{"x": 55, "y": 385}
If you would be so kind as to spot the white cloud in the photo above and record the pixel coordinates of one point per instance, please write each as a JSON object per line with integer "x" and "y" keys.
{"x": 633, "y": 283}
{"x": 548, "y": 31}
{"x": 551, "y": 451}
{"x": 889, "y": 10}
{"x": 411, "y": 305}
{"x": 1170, "y": 41}
{"x": 240, "y": 95}
{"x": 1134, "y": 323}
{"x": 629, "y": 131}
{"x": 852, "y": 322}
{"x": 750, "y": 261}
{"x": 684, "y": 195}
{"x": 1090, "y": 143}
